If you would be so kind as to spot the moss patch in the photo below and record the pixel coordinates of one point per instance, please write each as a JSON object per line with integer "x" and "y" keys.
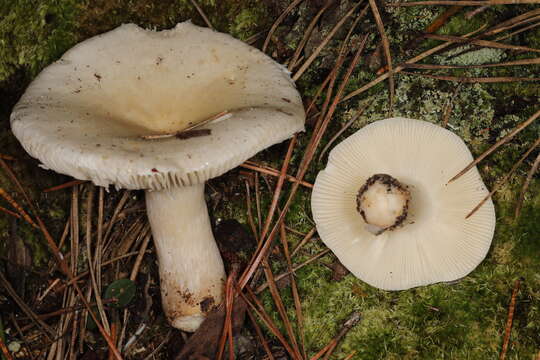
{"x": 33, "y": 36}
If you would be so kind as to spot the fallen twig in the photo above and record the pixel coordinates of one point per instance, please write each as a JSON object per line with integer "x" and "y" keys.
{"x": 61, "y": 260}
{"x": 470, "y": 14}
{"x": 307, "y": 237}
{"x": 533, "y": 61}
{"x": 526, "y": 184}
{"x": 464, "y": 2}
{"x": 294, "y": 288}
{"x": 448, "y": 108}
{"x": 260, "y": 335}
{"x": 49, "y": 332}
{"x": 17, "y": 207}
{"x": 140, "y": 255}
{"x": 472, "y": 80}
{"x": 482, "y": 43}
{"x": 513, "y": 22}
{"x": 342, "y": 130}
{"x": 269, "y": 171}
{"x": 65, "y": 185}
{"x": 504, "y": 179}
{"x": 399, "y": 68}
{"x": 161, "y": 344}
{"x": 353, "y": 319}
{"x": 190, "y": 131}
{"x": 258, "y": 308}
{"x": 307, "y": 34}
{"x": 308, "y": 156}
{"x": 279, "y": 186}
{"x": 249, "y": 212}
{"x": 532, "y": 26}
{"x": 386, "y": 47}
{"x": 279, "y": 20}
{"x": 7, "y": 157}
{"x": 203, "y": 15}
{"x": 296, "y": 268}
{"x": 5, "y": 350}
{"x": 295, "y": 354}
{"x": 88, "y": 236}
{"x": 509, "y": 320}
{"x": 60, "y": 312}
{"x": 495, "y": 146}
{"x": 227, "y": 333}
{"x": 321, "y": 46}
{"x": 9, "y": 212}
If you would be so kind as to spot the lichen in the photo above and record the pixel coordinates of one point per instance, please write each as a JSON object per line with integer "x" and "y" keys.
{"x": 473, "y": 57}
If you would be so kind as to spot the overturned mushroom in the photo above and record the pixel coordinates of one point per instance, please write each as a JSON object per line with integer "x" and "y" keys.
{"x": 161, "y": 111}
{"x": 385, "y": 207}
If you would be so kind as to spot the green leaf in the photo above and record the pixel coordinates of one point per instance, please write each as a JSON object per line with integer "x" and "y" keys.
{"x": 122, "y": 290}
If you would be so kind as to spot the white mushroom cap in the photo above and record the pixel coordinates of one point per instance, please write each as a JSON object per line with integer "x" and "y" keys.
{"x": 84, "y": 114}
{"x": 435, "y": 242}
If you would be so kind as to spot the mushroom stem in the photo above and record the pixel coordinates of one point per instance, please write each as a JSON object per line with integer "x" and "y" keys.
{"x": 190, "y": 266}
{"x": 383, "y": 203}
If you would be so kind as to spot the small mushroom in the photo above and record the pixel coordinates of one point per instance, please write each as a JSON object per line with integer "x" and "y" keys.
{"x": 385, "y": 207}
{"x": 161, "y": 111}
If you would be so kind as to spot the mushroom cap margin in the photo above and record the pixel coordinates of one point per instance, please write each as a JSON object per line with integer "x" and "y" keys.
{"x": 80, "y": 115}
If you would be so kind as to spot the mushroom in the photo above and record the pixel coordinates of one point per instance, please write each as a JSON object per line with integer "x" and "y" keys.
{"x": 384, "y": 205}
{"x": 164, "y": 112}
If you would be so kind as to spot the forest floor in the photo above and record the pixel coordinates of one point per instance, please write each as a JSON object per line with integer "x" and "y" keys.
{"x": 466, "y": 319}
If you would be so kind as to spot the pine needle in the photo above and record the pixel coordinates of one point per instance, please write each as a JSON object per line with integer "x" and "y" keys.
{"x": 463, "y": 3}
{"x": 504, "y": 179}
{"x": 526, "y": 184}
{"x": 386, "y": 47}
{"x": 509, "y": 320}
{"x": 495, "y": 146}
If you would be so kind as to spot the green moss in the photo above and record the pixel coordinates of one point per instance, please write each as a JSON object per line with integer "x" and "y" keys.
{"x": 299, "y": 215}
{"x": 463, "y": 320}
{"x": 460, "y": 25}
{"x": 31, "y": 36}
{"x": 246, "y": 21}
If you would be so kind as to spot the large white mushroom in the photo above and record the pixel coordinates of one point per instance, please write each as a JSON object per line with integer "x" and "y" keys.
{"x": 115, "y": 110}
{"x": 384, "y": 206}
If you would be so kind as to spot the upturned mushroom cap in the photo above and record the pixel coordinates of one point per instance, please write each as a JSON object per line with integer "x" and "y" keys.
{"x": 435, "y": 242}
{"x": 85, "y": 114}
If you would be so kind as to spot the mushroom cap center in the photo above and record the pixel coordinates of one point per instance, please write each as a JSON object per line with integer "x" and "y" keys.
{"x": 383, "y": 203}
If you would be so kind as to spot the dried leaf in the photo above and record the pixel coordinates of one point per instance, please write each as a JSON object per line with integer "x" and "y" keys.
{"x": 204, "y": 342}
{"x": 338, "y": 271}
